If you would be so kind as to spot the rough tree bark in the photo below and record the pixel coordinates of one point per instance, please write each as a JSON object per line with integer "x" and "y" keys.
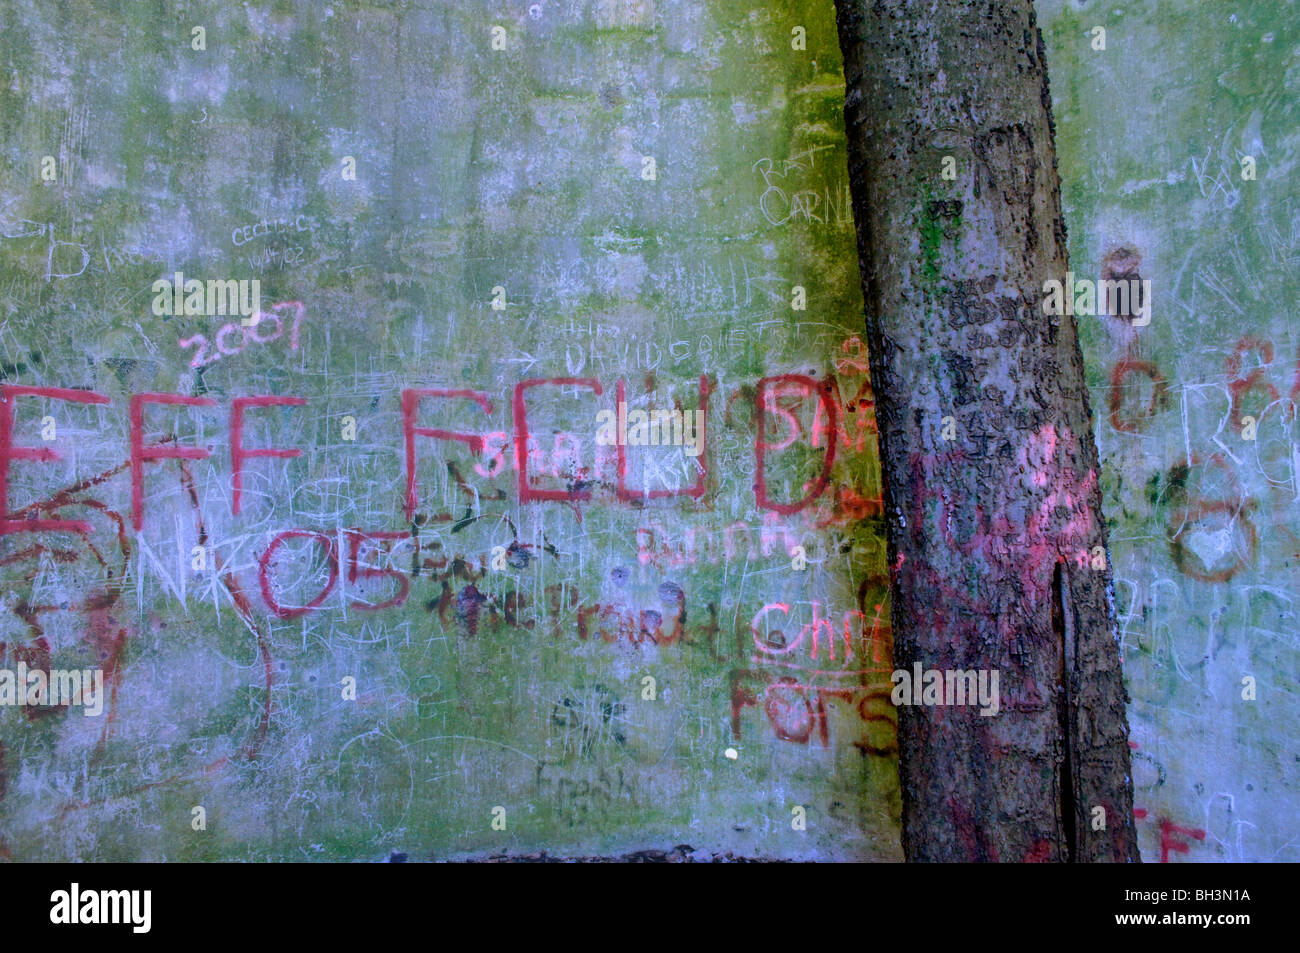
{"x": 996, "y": 539}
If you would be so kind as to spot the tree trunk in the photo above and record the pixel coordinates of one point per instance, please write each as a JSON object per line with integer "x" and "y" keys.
{"x": 996, "y": 538}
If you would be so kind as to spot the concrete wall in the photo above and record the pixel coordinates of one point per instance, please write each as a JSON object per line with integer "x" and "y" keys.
{"x": 499, "y": 640}
{"x": 1151, "y": 134}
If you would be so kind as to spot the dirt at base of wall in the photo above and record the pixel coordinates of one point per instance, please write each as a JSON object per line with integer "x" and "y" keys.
{"x": 681, "y": 854}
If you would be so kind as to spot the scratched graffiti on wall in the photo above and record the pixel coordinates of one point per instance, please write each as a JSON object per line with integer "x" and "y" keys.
{"x": 362, "y": 566}
{"x": 1195, "y": 420}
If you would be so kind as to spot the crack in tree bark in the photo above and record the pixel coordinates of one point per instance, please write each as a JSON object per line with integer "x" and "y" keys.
{"x": 1063, "y": 622}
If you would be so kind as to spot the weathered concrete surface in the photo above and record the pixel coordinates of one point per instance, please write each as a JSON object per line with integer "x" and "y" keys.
{"x": 518, "y": 687}
{"x": 522, "y": 168}
{"x": 1151, "y": 133}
